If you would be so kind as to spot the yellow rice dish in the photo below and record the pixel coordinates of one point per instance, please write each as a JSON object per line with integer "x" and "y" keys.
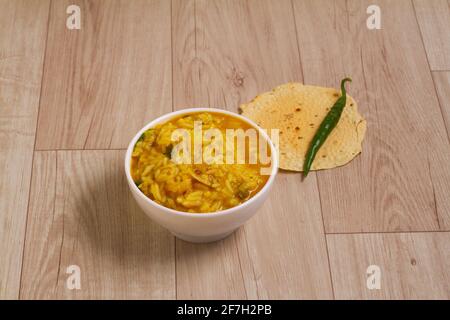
{"x": 193, "y": 187}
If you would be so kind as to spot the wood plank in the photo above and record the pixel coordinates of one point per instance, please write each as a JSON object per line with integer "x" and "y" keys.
{"x": 401, "y": 179}
{"x": 434, "y": 21}
{"x": 442, "y": 84}
{"x": 82, "y": 213}
{"x": 413, "y": 265}
{"x": 114, "y": 75}
{"x": 286, "y": 243}
{"x": 214, "y": 67}
{"x": 225, "y": 53}
{"x": 23, "y": 29}
{"x": 209, "y": 271}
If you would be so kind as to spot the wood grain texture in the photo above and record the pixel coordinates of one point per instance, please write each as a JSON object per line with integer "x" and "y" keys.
{"x": 82, "y": 213}
{"x": 224, "y": 54}
{"x": 104, "y": 82}
{"x": 413, "y": 266}
{"x": 286, "y": 244}
{"x": 209, "y": 271}
{"x": 401, "y": 179}
{"x": 279, "y": 254}
{"x": 23, "y": 27}
{"x": 442, "y": 84}
{"x": 134, "y": 60}
{"x": 434, "y": 21}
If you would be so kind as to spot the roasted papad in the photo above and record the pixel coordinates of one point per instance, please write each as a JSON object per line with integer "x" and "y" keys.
{"x": 297, "y": 111}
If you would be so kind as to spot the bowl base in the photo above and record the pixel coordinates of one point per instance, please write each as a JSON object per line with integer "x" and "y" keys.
{"x": 200, "y": 239}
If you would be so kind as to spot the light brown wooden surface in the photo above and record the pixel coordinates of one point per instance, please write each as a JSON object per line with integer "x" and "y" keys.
{"x": 23, "y": 29}
{"x": 434, "y": 21}
{"x": 134, "y": 60}
{"x": 81, "y": 213}
{"x": 412, "y": 265}
{"x": 104, "y": 82}
{"x": 400, "y": 182}
{"x": 286, "y": 243}
{"x": 442, "y": 83}
{"x": 214, "y": 68}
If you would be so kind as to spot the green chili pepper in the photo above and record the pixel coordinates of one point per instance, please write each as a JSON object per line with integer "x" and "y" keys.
{"x": 325, "y": 128}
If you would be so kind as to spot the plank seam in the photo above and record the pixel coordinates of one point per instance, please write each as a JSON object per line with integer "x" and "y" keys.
{"x": 34, "y": 149}
{"x": 55, "y": 290}
{"x": 95, "y": 149}
{"x": 388, "y": 232}
{"x": 439, "y": 103}
{"x": 434, "y": 193}
{"x": 240, "y": 264}
{"x": 430, "y": 70}
{"x": 175, "y": 266}
{"x": 195, "y": 30}
{"x": 441, "y": 107}
{"x": 325, "y": 237}
{"x": 298, "y": 44}
{"x": 317, "y": 179}
{"x": 251, "y": 262}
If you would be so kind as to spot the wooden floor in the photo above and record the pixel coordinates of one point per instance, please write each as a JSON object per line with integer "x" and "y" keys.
{"x": 70, "y": 101}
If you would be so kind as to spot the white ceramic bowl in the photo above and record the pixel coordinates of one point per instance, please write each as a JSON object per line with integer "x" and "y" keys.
{"x": 200, "y": 227}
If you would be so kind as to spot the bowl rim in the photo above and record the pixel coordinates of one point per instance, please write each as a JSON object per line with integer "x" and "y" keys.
{"x": 173, "y": 114}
